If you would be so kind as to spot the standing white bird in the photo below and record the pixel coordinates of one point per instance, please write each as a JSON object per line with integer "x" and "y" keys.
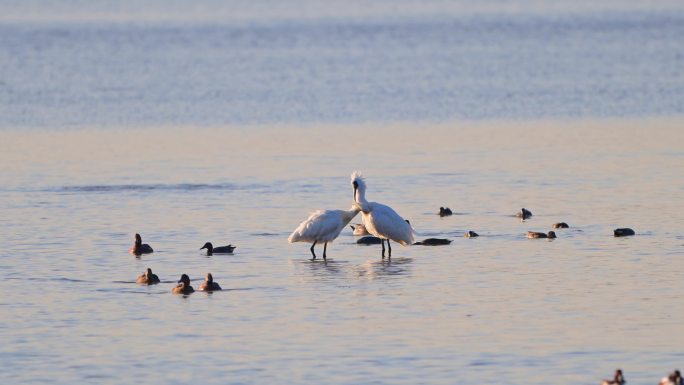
{"x": 380, "y": 220}
{"x": 322, "y": 226}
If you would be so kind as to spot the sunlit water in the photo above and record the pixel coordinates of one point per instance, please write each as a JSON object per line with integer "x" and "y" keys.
{"x": 230, "y": 122}
{"x": 480, "y": 310}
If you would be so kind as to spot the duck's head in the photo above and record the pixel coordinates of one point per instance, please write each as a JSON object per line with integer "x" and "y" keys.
{"x": 551, "y": 234}
{"x": 185, "y": 280}
{"x": 207, "y": 246}
{"x": 138, "y": 239}
{"x": 209, "y": 278}
{"x": 148, "y": 273}
{"x": 619, "y": 378}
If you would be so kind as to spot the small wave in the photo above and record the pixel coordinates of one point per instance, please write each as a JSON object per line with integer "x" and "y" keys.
{"x": 64, "y": 279}
{"x": 153, "y": 187}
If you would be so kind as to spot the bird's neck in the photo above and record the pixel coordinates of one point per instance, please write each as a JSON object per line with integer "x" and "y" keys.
{"x": 350, "y": 214}
{"x": 360, "y": 195}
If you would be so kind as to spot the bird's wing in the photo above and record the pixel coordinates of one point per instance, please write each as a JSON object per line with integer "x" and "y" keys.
{"x": 321, "y": 225}
{"x": 388, "y": 224}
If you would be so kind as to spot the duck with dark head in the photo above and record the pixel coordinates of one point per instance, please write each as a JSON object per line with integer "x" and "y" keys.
{"x": 618, "y": 379}
{"x": 534, "y": 234}
{"x": 209, "y": 284}
{"x": 211, "y": 250}
{"x": 183, "y": 286}
{"x": 140, "y": 248}
{"x": 148, "y": 278}
{"x": 523, "y": 214}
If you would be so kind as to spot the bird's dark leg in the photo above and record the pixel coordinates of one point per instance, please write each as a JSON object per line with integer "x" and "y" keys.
{"x": 390, "y": 249}
{"x": 382, "y": 242}
{"x": 312, "y": 251}
{"x": 324, "y": 247}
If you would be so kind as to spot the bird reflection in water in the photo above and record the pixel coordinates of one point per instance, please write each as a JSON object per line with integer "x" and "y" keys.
{"x": 388, "y": 268}
{"x": 322, "y": 270}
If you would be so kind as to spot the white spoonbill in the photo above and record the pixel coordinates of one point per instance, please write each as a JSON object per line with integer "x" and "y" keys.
{"x": 380, "y": 220}
{"x": 322, "y": 226}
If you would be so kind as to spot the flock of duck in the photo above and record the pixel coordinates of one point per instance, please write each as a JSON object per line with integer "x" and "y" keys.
{"x": 183, "y": 287}
{"x": 380, "y": 224}
{"x": 674, "y": 378}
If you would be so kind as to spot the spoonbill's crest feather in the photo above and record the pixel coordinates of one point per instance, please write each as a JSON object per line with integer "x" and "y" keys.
{"x": 356, "y": 175}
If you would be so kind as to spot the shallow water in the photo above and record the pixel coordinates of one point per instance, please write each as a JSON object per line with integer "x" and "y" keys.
{"x": 499, "y": 308}
{"x": 231, "y": 121}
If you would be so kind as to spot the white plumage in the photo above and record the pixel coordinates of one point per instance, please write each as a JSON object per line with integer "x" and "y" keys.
{"x": 381, "y": 220}
{"x": 322, "y": 226}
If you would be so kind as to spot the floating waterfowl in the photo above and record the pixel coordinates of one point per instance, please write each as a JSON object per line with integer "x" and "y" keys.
{"x": 381, "y": 220}
{"x": 434, "y": 242}
{"x": 623, "y": 232}
{"x": 148, "y": 278}
{"x": 211, "y": 250}
{"x": 560, "y": 225}
{"x": 322, "y": 226}
{"x": 369, "y": 240}
{"x": 618, "y": 379}
{"x": 209, "y": 284}
{"x": 523, "y": 213}
{"x": 533, "y": 234}
{"x": 445, "y": 212}
{"x": 471, "y": 234}
{"x": 359, "y": 229}
{"x": 183, "y": 286}
{"x": 140, "y": 248}
{"x": 674, "y": 378}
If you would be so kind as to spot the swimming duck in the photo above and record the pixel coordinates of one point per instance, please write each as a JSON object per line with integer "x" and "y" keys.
{"x": 368, "y": 240}
{"x": 445, "y": 212}
{"x": 623, "y": 232}
{"x": 434, "y": 242}
{"x": 618, "y": 379}
{"x": 560, "y": 225}
{"x": 359, "y": 229}
{"x": 140, "y": 248}
{"x": 209, "y": 284}
{"x": 533, "y": 234}
{"x": 211, "y": 250}
{"x": 523, "y": 213}
{"x": 674, "y": 378}
{"x": 471, "y": 234}
{"x": 183, "y": 286}
{"x": 148, "y": 278}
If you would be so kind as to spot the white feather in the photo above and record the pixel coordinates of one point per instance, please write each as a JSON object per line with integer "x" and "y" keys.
{"x": 322, "y": 226}
{"x": 381, "y": 220}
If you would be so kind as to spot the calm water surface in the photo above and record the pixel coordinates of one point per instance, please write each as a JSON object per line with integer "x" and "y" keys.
{"x": 108, "y": 64}
{"x": 231, "y": 121}
{"x": 500, "y": 308}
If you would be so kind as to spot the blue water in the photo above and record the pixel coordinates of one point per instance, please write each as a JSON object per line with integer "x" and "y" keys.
{"x": 231, "y": 121}
{"x": 369, "y": 67}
